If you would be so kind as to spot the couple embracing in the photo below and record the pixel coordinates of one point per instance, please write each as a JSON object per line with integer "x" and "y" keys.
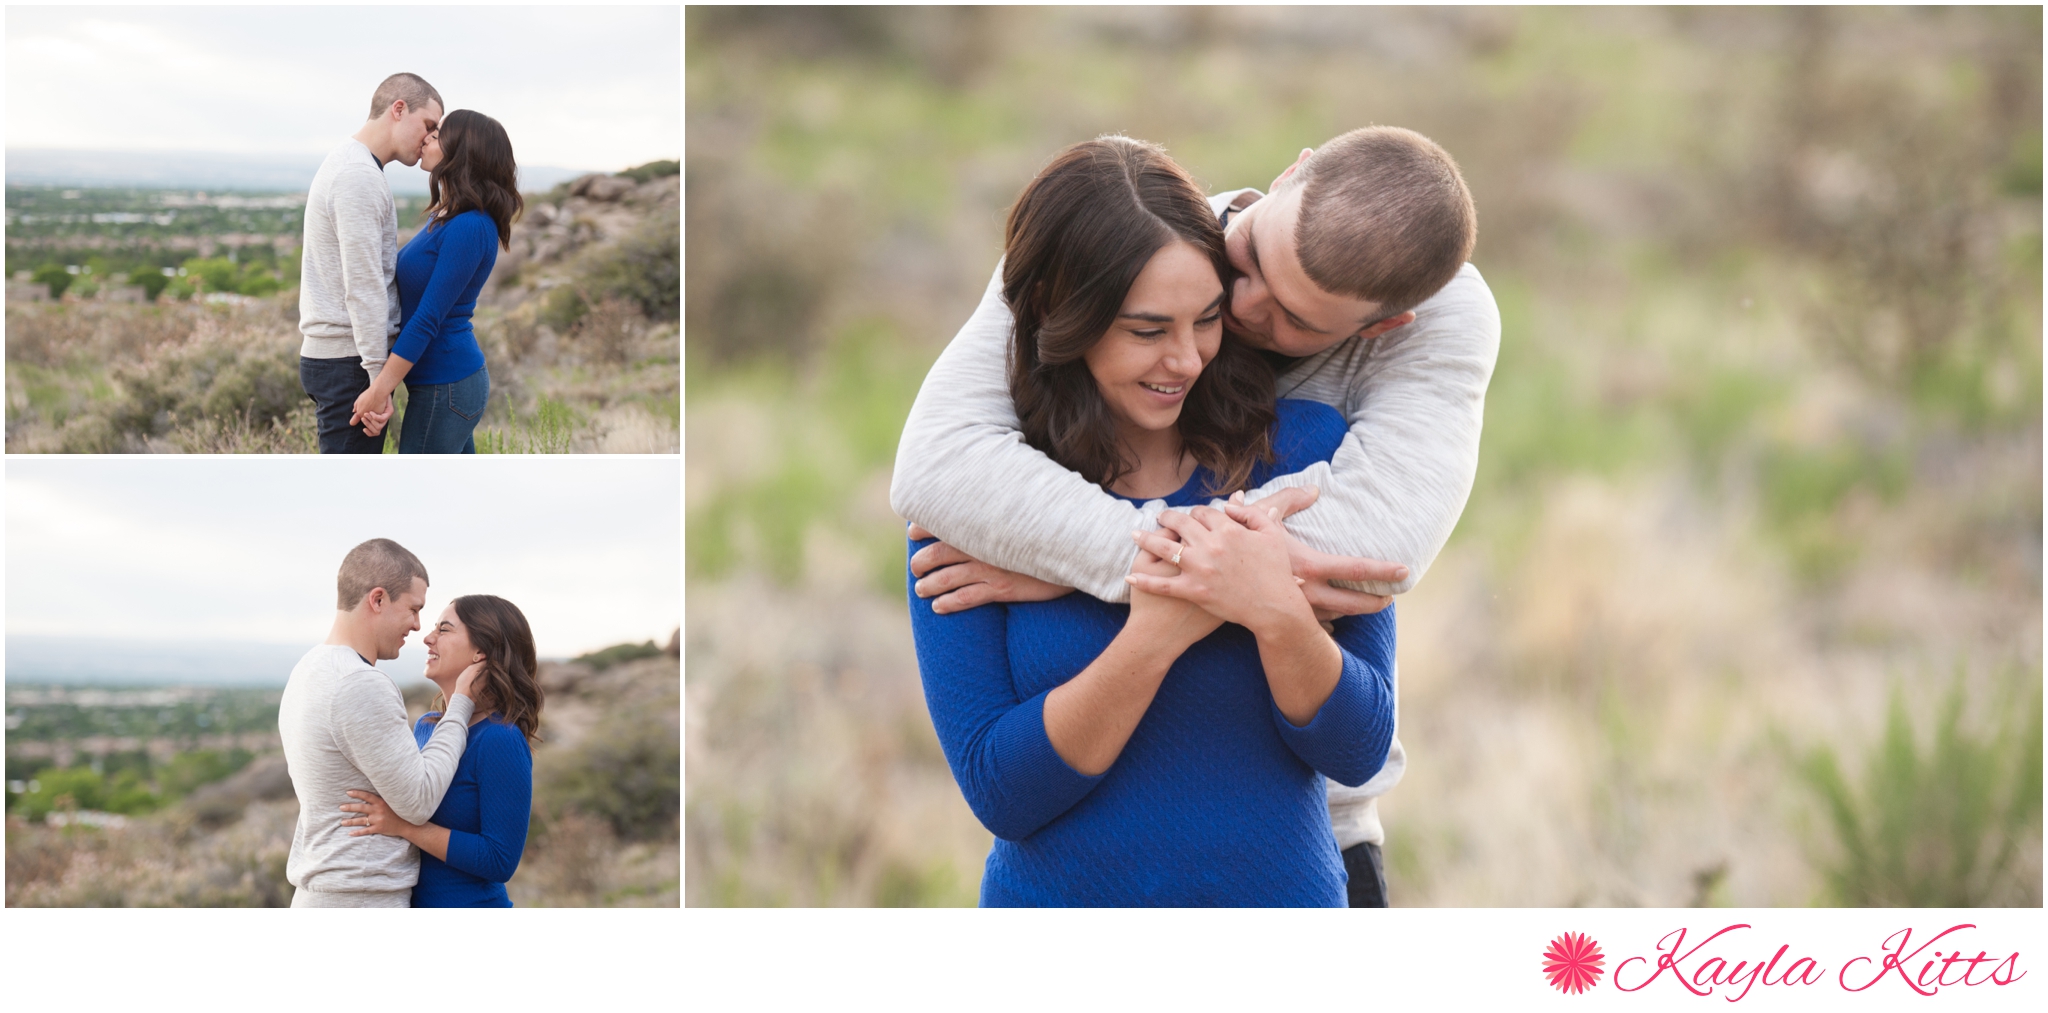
{"x": 1238, "y": 424}
{"x": 374, "y": 316}
{"x": 431, "y": 815}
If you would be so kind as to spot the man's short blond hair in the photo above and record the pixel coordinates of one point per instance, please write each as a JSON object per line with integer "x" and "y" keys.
{"x": 411, "y": 88}
{"x": 1385, "y": 216}
{"x": 379, "y": 562}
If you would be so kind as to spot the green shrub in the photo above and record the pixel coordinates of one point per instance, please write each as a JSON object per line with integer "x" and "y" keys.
{"x": 625, "y": 773}
{"x": 562, "y": 308}
{"x": 151, "y": 279}
{"x": 1947, "y": 828}
{"x": 256, "y": 280}
{"x": 619, "y": 654}
{"x": 54, "y": 276}
{"x": 212, "y": 274}
{"x": 187, "y": 771}
{"x": 645, "y": 269}
{"x": 179, "y": 289}
{"x": 671, "y": 167}
{"x": 56, "y": 790}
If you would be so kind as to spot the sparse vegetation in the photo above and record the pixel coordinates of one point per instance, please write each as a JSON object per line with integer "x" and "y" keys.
{"x": 578, "y": 327}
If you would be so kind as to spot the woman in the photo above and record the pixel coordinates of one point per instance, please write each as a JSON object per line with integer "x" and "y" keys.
{"x": 473, "y": 196}
{"x": 469, "y": 850}
{"x": 1153, "y": 754}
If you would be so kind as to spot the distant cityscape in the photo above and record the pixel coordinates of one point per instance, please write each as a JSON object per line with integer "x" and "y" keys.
{"x": 167, "y": 170}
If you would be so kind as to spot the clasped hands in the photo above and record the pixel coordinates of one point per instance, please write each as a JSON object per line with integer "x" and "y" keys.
{"x": 958, "y": 581}
{"x": 367, "y": 411}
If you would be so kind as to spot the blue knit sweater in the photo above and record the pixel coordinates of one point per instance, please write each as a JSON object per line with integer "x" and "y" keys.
{"x": 485, "y": 813}
{"x": 439, "y": 275}
{"x": 1217, "y": 799}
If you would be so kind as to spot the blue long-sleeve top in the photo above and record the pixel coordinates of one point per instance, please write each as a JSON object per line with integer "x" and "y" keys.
{"x": 1216, "y": 800}
{"x": 485, "y": 814}
{"x": 440, "y": 273}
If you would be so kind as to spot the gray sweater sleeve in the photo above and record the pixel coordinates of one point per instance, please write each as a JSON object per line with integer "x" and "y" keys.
{"x": 964, "y": 471}
{"x": 371, "y": 731}
{"x": 1414, "y": 399}
{"x": 361, "y": 201}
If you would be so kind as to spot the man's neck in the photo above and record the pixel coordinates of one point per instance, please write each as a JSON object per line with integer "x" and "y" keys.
{"x": 354, "y": 636}
{"x": 377, "y": 138}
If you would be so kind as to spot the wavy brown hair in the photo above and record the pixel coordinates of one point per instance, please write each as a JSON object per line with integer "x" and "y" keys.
{"x": 1077, "y": 238}
{"x": 510, "y": 681}
{"x": 476, "y": 173}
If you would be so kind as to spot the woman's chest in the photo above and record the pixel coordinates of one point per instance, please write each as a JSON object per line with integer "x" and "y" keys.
{"x": 1052, "y": 642}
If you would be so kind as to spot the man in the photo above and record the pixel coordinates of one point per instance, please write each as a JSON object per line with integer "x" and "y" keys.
{"x": 344, "y": 728}
{"x": 348, "y": 272}
{"x": 1352, "y": 279}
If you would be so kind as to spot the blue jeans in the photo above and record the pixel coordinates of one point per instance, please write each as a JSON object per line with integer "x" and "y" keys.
{"x": 441, "y": 418}
{"x": 334, "y": 385}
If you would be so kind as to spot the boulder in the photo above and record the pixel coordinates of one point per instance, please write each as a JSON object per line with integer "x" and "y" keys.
{"x": 602, "y": 188}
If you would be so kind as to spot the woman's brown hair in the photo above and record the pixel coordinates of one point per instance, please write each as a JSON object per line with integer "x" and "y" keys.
{"x": 510, "y": 681}
{"x": 1077, "y": 238}
{"x": 476, "y": 173}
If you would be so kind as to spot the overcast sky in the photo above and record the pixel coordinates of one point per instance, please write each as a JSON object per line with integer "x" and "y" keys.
{"x": 576, "y": 87}
{"x": 246, "y": 549}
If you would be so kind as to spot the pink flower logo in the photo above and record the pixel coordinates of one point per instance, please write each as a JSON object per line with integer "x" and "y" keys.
{"x": 1572, "y": 963}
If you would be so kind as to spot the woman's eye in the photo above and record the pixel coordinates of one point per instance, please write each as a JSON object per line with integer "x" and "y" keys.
{"x": 1150, "y": 334}
{"x": 1208, "y": 320}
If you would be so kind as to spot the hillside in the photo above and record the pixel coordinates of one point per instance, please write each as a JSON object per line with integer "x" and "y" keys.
{"x": 605, "y": 833}
{"x": 578, "y": 326}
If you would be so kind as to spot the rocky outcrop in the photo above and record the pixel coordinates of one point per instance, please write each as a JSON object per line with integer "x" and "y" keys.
{"x": 562, "y": 223}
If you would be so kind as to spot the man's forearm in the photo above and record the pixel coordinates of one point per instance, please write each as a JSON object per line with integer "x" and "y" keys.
{"x": 964, "y": 471}
{"x": 1415, "y": 404}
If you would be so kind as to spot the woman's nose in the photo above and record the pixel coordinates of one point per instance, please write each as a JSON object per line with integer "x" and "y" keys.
{"x": 1184, "y": 355}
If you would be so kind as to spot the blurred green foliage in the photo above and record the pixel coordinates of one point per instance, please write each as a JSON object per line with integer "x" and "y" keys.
{"x": 55, "y": 277}
{"x": 626, "y": 773}
{"x": 130, "y": 788}
{"x": 1943, "y": 826}
{"x": 670, "y": 167}
{"x": 620, "y": 653}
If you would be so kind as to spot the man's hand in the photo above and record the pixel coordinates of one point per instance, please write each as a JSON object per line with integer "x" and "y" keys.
{"x": 961, "y": 582}
{"x": 1317, "y": 569}
{"x": 375, "y": 817}
{"x": 372, "y": 411}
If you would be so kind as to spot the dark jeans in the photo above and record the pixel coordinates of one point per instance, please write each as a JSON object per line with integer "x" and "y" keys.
{"x": 441, "y": 418}
{"x": 334, "y": 385}
{"x": 1368, "y": 885}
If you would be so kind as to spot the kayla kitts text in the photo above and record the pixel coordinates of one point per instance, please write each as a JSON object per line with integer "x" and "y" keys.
{"x": 1731, "y": 963}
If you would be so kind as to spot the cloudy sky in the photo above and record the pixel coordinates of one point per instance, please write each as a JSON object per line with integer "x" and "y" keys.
{"x": 576, "y": 87}
{"x": 590, "y": 549}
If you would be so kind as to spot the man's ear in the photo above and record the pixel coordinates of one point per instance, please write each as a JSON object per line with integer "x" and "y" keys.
{"x": 1397, "y": 320}
{"x": 1303, "y": 157}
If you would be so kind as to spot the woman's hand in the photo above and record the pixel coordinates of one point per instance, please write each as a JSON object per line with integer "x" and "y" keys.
{"x": 467, "y": 680}
{"x": 1236, "y": 572}
{"x": 376, "y": 818}
{"x": 1178, "y": 623}
{"x": 373, "y": 408}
